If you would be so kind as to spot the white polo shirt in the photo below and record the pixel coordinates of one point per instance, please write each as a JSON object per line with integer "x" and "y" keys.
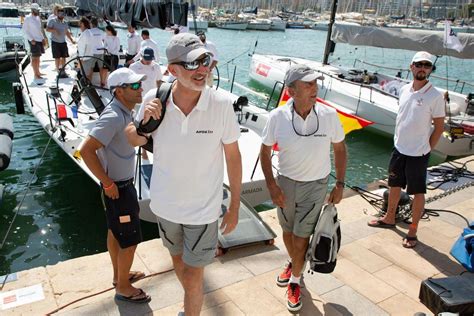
{"x": 152, "y": 72}
{"x": 303, "y": 158}
{"x": 188, "y": 158}
{"x": 413, "y": 125}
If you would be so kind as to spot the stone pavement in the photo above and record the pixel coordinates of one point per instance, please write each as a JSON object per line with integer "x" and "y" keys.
{"x": 375, "y": 275}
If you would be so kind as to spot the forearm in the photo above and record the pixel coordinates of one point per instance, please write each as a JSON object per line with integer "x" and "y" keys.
{"x": 133, "y": 138}
{"x": 340, "y": 161}
{"x": 93, "y": 163}
{"x": 234, "y": 173}
{"x": 266, "y": 163}
{"x": 437, "y": 132}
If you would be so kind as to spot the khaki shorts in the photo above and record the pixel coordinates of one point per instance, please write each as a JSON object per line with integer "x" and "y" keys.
{"x": 304, "y": 201}
{"x": 196, "y": 243}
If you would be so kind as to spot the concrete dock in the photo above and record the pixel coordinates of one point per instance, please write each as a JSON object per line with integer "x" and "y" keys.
{"x": 375, "y": 275}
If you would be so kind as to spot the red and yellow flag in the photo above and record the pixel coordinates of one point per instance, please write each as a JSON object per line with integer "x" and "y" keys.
{"x": 349, "y": 122}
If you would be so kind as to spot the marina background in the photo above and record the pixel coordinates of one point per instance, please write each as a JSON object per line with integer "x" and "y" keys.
{"x": 62, "y": 216}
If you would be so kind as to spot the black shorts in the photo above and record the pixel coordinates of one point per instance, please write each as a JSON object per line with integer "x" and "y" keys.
{"x": 111, "y": 60}
{"x": 59, "y": 50}
{"x": 125, "y": 209}
{"x": 407, "y": 171}
{"x": 36, "y": 50}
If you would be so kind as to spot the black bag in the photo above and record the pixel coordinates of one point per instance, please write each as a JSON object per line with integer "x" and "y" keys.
{"x": 163, "y": 94}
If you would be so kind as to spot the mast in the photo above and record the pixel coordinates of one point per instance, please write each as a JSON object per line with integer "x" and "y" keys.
{"x": 330, "y": 44}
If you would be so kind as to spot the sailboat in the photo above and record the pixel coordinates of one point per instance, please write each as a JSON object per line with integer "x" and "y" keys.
{"x": 374, "y": 96}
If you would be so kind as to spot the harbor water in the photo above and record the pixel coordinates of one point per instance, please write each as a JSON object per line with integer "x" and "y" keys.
{"x": 59, "y": 213}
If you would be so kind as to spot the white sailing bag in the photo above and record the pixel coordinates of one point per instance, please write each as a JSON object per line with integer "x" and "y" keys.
{"x": 326, "y": 241}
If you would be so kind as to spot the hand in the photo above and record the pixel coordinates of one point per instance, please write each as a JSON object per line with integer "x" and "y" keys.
{"x": 152, "y": 110}
{"x": 278, "y": 198}
{"x": 230, "y": 220}
{"x": 336, "y": 195}
{"x": 111, "y": 191}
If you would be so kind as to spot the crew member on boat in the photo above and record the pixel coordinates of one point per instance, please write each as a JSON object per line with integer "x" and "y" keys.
{"x": 59, "y": 30}
{"x": 188, "y": 165}
{"x": 33, "y": 31}
{"x": 147, "y": 66}
{"x": 109, "y": 156}
{"x": 133, "y": 44}
{"x": 421, "y": 105}
{"x": 304, "y": 133}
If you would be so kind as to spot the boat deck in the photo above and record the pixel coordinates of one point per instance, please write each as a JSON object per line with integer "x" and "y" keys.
{"x": 375, "y": 275}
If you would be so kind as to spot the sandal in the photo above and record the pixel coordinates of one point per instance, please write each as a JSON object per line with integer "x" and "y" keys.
{"x": 133, "y": 276}
{"x": 409, "y": 242}
{"x": 139, "y": 298}
{"x": 380, "y": 224}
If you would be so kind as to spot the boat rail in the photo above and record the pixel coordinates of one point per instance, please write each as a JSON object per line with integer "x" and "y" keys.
{"x": 461, "y": 83}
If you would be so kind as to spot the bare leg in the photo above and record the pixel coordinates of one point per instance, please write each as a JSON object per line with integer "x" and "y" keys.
{"x": 178, "y": 265}
{"x": 124, "y": 263}
{"x": 393, "y": 199}
{"x": 113, "y": 247}
{"x": 288, "y": 240}
{"x": 57, "y": 63}
{"x": 35, "y": 62}
{"x": 300, "y": 245}
{"x": 193, "y": 289}
{"x": 417, "y": 211}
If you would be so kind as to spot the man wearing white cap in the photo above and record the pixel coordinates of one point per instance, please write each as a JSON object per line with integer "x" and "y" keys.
{"x": 305, "y": 131}
{"x": 33, "y": 31}
{"x": 421, "y": 106}
{"x": 188, "y": 167}
{"x": 111, "y": 159}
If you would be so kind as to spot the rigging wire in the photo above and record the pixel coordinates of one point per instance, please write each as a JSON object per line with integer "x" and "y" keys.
{"x": 21, "y": 202}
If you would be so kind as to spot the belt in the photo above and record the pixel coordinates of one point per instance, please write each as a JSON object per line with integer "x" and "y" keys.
{"x": 123, "y": 184}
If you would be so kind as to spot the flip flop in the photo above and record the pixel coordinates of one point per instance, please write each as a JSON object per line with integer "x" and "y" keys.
{"x": 380, "y": 224}
{"x": 139, "y": 298}
{"x": 408, "y": 239}
{"x": 133, "y": 276}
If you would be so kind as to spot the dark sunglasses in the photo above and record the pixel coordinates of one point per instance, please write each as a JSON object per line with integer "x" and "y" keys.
{"x": 133, "y": 86}
{"x": 193, "y": 65}
{"x": 424, "y": 65}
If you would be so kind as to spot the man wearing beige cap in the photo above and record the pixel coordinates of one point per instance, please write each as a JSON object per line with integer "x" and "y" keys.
{"x": 421, "y": 106}
{"x": 188, "y": 166}
{"x": 305, "y": 131}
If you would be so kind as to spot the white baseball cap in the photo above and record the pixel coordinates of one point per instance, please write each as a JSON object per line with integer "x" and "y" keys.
{"x": 422, "y": 56}
{"x": 123, "y": 76}
{"x": 35, "y": 6}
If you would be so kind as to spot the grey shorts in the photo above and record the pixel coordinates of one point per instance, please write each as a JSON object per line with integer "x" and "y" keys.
{"x": 303, "y": 204}
{"x": 88, "y": 65}
{"x": 196, "y": 243}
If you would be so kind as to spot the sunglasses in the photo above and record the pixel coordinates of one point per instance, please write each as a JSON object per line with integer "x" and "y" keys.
{"x": 133, "y": 86}
{"x": 193, "y": 65}
{"x": 424, "y": 65}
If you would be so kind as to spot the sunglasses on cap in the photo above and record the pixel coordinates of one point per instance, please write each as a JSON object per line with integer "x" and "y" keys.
{"x": 424, "y": 65}
{"x": 193, "y": 65}
{"x": 133, "y": 86}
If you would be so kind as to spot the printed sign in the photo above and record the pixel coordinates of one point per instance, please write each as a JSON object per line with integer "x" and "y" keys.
{"x": 21, "y": 296}
{"x": 263, "y": 70}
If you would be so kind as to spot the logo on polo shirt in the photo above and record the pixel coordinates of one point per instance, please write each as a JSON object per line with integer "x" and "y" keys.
{"x": 204, "y": 131}
{"x": 320, "y": 135}
{"x": 419, "y": 102}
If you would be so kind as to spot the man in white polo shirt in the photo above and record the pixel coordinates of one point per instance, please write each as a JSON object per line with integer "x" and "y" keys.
{"x": 188, "y": 164}
{"x": 305, "y": 131}
{"x": 421, "y": 107}
{"x": 147, "y": 66}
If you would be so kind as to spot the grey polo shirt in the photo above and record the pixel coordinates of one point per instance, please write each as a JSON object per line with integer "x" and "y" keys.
{"x": 117, "y": 156}
{"x": 61, "y": 27}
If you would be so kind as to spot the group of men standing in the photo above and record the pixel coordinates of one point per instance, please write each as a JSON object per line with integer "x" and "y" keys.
{"x": 188, "y": 166}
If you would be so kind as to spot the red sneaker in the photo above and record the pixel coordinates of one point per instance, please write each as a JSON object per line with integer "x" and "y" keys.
{"x": 284, "y": 277}
{"x": 294, "y": 303}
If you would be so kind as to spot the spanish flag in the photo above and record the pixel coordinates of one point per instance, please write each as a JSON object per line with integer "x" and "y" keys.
{"x": 349, "y": 122}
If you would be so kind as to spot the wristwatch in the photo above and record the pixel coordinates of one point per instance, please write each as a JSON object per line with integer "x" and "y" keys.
{"x": 340, "y": 184}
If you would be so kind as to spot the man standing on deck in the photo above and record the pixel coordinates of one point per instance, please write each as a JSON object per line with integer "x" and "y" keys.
{"x": 188, "y": 146}
{"x": 33, "y": 32}
{"x": 420, "y": 107}
{"x": 304, "y": 131}
{"x": 59, "y": 30}
{"x": 111, "y": 159}
{"x": 133, "y": 44}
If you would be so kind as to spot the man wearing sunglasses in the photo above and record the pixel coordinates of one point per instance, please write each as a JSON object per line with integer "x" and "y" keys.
{"x": 111, "y": 159}
{"x": 305, "y": 131}
{"x": 421, "y": 106}
{"x": 188, "y": 167}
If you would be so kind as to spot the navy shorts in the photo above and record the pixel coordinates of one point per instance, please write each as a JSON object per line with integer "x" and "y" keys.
{"x": 59, "y": 50}
{"x": 122, "y": 215}
{"x": 36, "y": 50}
{"x": 408, "y": 171}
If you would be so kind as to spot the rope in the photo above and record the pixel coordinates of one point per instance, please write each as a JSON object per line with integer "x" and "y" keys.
{"x": 449, "y": 173}
{"x": 103, "y": 291}
{"x": 21, "y": 203}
